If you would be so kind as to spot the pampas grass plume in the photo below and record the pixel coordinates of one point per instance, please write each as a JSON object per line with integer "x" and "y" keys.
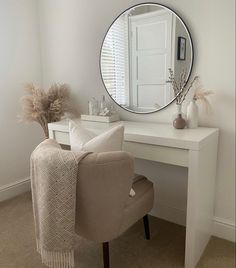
{"x": 45, "y": 107}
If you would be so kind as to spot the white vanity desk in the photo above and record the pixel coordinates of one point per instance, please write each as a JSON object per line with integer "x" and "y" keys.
{"x": 195, "y": 149}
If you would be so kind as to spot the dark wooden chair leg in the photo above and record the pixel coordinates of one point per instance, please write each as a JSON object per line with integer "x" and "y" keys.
{"x": 106, "y": 261}
{"x": 146, "y": 227}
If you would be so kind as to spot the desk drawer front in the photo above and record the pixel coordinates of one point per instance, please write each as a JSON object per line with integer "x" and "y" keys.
{"x": 169, "y": 155}
{"x": 164, "y": 154}
{"x": 60, "y": 137}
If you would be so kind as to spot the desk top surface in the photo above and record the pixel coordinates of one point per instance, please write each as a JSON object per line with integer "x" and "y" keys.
{"x": 149, "y": 133}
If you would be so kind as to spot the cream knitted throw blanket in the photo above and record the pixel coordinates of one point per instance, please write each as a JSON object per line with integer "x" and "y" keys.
{"x": 54, "y": 175}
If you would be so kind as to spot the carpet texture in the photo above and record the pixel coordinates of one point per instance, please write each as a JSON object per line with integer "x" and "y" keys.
{"x": 131, "y": 250}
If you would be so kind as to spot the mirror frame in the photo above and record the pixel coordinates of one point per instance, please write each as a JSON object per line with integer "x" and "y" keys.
{"x": 192, "y": 48}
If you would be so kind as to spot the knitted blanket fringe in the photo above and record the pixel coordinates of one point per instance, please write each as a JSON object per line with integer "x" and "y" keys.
{"x": 55, "y": 258}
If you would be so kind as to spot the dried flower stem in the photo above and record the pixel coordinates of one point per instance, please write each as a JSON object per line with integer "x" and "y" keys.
{"x": 179, "y": 85}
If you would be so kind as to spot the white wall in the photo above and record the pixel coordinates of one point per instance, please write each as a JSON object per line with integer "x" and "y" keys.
{"x": 19, "y": 64}
{"x": 71, "y": 36}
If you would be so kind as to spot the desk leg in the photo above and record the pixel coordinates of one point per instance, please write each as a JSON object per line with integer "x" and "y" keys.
{"x": 51, "y": 134}
{"x": 200, "y": 206}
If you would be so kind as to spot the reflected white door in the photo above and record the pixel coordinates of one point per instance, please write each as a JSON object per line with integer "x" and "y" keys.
{"x": 151, "y": 56}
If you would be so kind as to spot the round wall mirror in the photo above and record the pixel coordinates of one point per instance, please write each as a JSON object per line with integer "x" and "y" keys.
{"x": 138, "y": 49}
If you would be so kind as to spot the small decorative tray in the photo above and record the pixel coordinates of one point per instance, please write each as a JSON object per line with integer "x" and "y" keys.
{"x": 100, "y": 118}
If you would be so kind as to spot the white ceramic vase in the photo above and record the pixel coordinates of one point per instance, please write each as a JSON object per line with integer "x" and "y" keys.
{"x": 192, "y": 115}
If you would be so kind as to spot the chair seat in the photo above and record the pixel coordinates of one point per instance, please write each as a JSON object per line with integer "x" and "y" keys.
{"x": 138, "y": 177}
{"x": 140, "y": 204}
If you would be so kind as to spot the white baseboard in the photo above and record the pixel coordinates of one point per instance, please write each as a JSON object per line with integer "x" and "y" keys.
{"x": 169, "y": 213}
{"x": 224, "y": 229}
{"x": 13, "y": 189}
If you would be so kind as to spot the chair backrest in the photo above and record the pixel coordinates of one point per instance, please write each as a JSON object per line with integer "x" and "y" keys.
{"x": 104, "y": 183}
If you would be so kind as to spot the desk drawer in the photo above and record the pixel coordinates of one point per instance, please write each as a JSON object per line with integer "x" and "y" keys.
{"x": 60, "y": 136}
{"x": 169, "y": 155}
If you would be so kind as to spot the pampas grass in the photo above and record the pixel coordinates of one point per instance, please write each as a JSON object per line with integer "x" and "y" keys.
{"x": 45, "y": 107}
{"x": 201, "y": 96}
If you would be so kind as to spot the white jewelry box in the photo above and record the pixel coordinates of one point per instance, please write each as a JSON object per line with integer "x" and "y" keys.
{"x": 100, "y": 118}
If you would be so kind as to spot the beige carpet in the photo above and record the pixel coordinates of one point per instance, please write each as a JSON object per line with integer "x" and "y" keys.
{"x": 131, "y": 250}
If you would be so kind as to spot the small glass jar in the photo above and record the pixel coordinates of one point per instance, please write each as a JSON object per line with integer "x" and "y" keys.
{"x": 93, "y": 108}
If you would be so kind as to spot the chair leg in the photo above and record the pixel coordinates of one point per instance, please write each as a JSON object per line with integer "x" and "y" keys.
{"x": 146, "y": 227}
{"x": 106, "y": 254}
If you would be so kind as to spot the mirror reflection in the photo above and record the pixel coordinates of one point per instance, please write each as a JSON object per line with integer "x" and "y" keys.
{"x": 138, "y": 49}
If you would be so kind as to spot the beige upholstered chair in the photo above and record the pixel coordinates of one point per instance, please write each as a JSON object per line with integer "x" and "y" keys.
{"x": 104, "y": 208}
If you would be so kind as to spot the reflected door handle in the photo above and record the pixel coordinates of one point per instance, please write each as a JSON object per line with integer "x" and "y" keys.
{"x": 168, "y": 81}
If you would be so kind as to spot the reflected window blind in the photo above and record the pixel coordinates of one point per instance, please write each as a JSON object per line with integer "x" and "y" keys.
{"x": 114, "y": 62}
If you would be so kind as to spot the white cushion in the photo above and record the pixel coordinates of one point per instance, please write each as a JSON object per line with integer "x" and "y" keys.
{"x": 82, "y": 139}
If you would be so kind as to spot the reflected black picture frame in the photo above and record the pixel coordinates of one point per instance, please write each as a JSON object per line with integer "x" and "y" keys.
{"x": 181, "y": 55}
